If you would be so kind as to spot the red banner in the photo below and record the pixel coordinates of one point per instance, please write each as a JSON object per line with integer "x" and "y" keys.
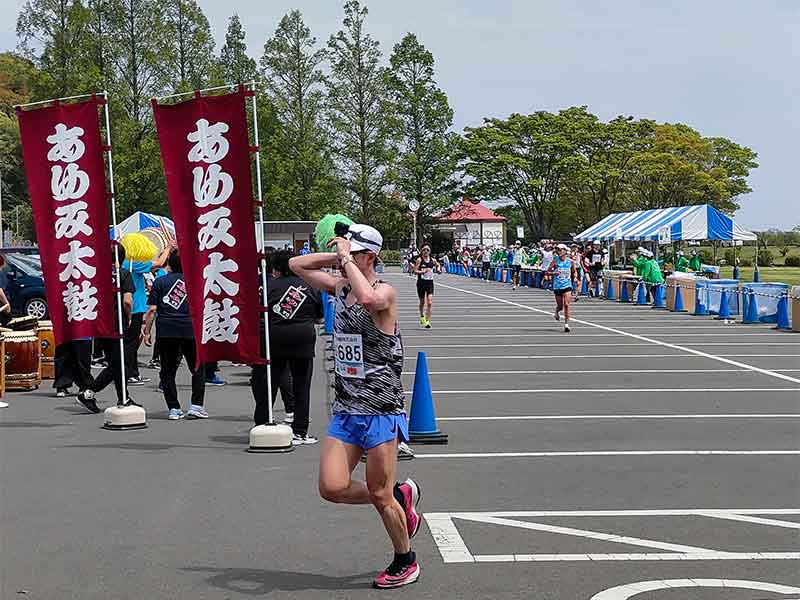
{"x": 206, "y": 155}
{"x": 64, "y": 165}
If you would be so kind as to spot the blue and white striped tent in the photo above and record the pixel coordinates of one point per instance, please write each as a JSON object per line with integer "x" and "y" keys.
{"x": 699, "y": 222}
{"x": 138, "y": 221}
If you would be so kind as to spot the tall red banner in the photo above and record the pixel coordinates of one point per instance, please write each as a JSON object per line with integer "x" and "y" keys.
{"x": 206, "y": 155}
{"x": 64, "y": 165}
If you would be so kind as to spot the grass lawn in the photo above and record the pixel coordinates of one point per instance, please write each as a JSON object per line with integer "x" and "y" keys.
{"x": 790, "y": 275}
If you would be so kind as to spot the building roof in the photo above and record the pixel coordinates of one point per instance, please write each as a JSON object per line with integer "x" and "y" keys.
{"x": 468, "y": 210}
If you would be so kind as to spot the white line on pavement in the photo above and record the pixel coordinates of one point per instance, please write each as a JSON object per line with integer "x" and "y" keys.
{"x": 624, "y": 417}
{"x": 596, "y": 372}
{"x": 589, "y": 453}
{"x": 650, "y": 340}
{"x": 600, "y": 344}
{"x": 596, "y": 356}
{"x": 794, "y": 390}
{"x": 556, "y": 332}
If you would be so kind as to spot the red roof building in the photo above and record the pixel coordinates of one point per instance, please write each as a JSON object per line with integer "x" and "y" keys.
{"x": 472, "y": 224}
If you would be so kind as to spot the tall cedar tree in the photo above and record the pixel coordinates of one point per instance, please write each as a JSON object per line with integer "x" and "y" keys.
{"x": 236, "y": 65}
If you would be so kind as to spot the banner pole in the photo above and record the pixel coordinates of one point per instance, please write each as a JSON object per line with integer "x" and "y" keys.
{"x": 263, "y": 246}
{"x": 116, "y": 252}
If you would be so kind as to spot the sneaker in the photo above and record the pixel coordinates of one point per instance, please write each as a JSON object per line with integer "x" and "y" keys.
{"x": 557, "y": 316}
{"x": 138, "y": 380}
{"x": 175, "y": 414}
{"x": 154, "y": 364}
{"x": 408, "y": 495}
{"x": 427, "y": 324}
{"x": 404, "y": 451}
{"x": 99, "y": 363}
{"x": 422, "y": 320}
{"x": 86, "y": 399}
{"x": 3, "y": 404}
{"x": 215, "y": 380}
{"x": 62, "y": 393}
{"x": 303, "y": 440}
{"x": 130, "y": 402}
{"x": 289, "y": 418}
{"x": 566, "y": 329}
{"x": 397, "y": 575}
{"x": 196, "y": 412}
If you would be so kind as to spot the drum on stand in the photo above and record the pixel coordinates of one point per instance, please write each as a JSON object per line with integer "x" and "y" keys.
{"x": 47, "y": 345}
{"x": 22, "y": 360}
{"x": 157, "y": 236}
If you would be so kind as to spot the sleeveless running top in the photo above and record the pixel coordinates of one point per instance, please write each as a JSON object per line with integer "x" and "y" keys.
{"x": 563, "y": 275}
{"x": 374, "y": 388}
{"x": 423, "y": 264}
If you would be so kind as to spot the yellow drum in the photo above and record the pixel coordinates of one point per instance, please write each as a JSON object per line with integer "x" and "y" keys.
{"x": 47, "y": 345}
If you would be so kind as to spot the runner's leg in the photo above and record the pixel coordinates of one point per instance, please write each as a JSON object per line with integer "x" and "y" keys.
{"x": 381, "y": 472}
{"x": 336, "y": 463}
{"x": 428, "y": 305}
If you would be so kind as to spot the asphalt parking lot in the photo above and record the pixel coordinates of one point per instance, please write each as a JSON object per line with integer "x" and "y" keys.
{"x": 646, "y": 454}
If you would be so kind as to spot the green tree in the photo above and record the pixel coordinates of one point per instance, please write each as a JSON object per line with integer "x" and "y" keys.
{"x": 526, "y": 158}
{"x": 301, "y": 166}
{"x": 192, "y": 44}
{"x": 53, "y": 34}
{"x": 100, "y": 74}
{"x": 235, "y": 65}
{"x": 421, "y": 117}
{"x": 359, "y": 116}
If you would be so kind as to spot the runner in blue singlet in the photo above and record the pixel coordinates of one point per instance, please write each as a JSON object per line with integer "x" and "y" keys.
{"x": 563, "y": 271}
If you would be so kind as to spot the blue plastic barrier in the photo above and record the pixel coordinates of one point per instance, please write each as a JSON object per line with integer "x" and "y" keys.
{"x": 765, "y": 297}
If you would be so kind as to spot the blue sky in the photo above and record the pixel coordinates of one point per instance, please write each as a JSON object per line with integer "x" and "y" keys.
{"x": 725, "y": 67}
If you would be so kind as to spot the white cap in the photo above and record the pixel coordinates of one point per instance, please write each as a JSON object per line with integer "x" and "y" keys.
{"x": 562, "y": 247}
{"x": 679, "y": 253}
{"x": 364, "y": 237}
{"x": 595, "y": 242}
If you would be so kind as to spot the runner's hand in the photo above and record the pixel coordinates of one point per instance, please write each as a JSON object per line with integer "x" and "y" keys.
{"x": 147, "y": 339}
{"x": 342, "y": 247}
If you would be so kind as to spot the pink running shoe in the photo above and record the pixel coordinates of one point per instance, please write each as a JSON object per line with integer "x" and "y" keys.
{"x": 410, "y": 493}
{"x": 397, "y": 575}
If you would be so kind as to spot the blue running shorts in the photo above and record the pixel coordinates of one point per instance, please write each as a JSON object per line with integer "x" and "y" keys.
{"x": 368, "y": 431}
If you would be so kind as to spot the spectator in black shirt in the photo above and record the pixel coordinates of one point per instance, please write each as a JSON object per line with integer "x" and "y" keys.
{"x": 110, "y": 346}
{"x": 169, "y": 301}
{"x": 294, "y": 310}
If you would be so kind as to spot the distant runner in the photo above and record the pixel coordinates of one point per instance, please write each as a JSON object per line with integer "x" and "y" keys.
{"x": 563, "y": 271}
{"x": 369, "y": 409}
{"x": 425, "y": 268}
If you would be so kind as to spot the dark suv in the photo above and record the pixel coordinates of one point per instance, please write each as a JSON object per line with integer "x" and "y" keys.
{"x": 22, "y": 281}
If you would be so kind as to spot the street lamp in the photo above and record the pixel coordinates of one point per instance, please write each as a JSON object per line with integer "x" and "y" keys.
{"x": 413, "y": 206}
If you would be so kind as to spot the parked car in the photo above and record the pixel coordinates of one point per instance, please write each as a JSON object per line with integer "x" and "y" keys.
{"x": 22, "y": 280}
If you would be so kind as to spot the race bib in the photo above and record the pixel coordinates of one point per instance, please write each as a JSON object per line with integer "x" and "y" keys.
{"x": 349, "y": 354}
{"x": 290, "y": 303}
{"x": 176, "y": 296}
{"x": 596, "y": 258}
{"x": 428, "y": 275}
{"x": 564, "y": 272}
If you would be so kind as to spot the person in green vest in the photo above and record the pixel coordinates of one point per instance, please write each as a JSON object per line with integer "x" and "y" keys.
{"x": 694, "y": 262}
{"x": 638, "y": 261}
{"x": 681, "y": 262}
{"x": 651, "y": 273}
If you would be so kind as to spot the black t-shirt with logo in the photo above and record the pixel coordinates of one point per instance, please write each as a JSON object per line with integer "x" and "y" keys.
{"x": 294, "y": 307}
{"x": 170, "y": 298}
{"x": 126, "y": 287}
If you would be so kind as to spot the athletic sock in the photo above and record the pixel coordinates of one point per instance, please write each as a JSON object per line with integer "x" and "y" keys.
{"x": 405, "y": 559}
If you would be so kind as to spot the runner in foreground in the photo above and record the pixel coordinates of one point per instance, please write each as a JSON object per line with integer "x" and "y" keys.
{"x": 425, "y": 268}
{"x": 563, "y": 271}
{"x": 369, "y": 408}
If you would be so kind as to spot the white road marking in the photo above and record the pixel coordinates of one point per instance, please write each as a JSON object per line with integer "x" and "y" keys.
{"x": 523, "y": 327}
{"x": 595, "y": 372}
{"x": 602, "y": 344}
{"x": 629, "y": 590}
{"x": 650, "y": 340}
{"x": 624, "y": 417}
{"x": 555, "y": 332}
{"x": 617, "y": 391}
{"x": 454, "y": 550}
{"x": 596, "y": 356}
{"x": 588, "y": 453}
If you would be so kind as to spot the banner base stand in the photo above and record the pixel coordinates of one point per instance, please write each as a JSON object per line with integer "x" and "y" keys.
{"x": 271, "y": 439}
{"x": 125, "y": 418}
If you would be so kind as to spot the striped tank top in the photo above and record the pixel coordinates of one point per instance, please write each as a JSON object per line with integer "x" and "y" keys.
{"x": 380, "y": 391}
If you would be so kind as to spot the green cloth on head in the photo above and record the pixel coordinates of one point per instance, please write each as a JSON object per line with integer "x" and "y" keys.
{"x": 324, "y": 232}
{"x": 682, "y": 264}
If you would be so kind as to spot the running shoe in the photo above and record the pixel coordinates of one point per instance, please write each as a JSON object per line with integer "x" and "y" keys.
{"x": 408, "y": 495}
{"x": 3, "y": 404}
{"x": 215, "y": 380}
{"x": 62, "y": 393}
{"x": 404, "y": 451}
{"x": 175, "y": 414}
{"x": 567, "y": 329}
{"x": 138, "y": 380}
{"x": 154, "y": 364}
{"x": 303, "y": 440}
{"x": 397, "y": 575}
{"x": 196, "y": 412}
{"x": 557, "y": 316}
{"x": 427, "y": 324}
{"x": 422, "y": 320}
{"x": 289, "y": 418}
{"x": 86, "y": 399}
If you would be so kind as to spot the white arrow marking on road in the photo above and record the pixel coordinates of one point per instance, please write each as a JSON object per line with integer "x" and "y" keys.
{"x": 623, "y": 592}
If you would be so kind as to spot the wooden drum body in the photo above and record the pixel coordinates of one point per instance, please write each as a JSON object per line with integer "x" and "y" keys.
{"x": 47, "y": 345}
{"x": 22, "y": 360}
